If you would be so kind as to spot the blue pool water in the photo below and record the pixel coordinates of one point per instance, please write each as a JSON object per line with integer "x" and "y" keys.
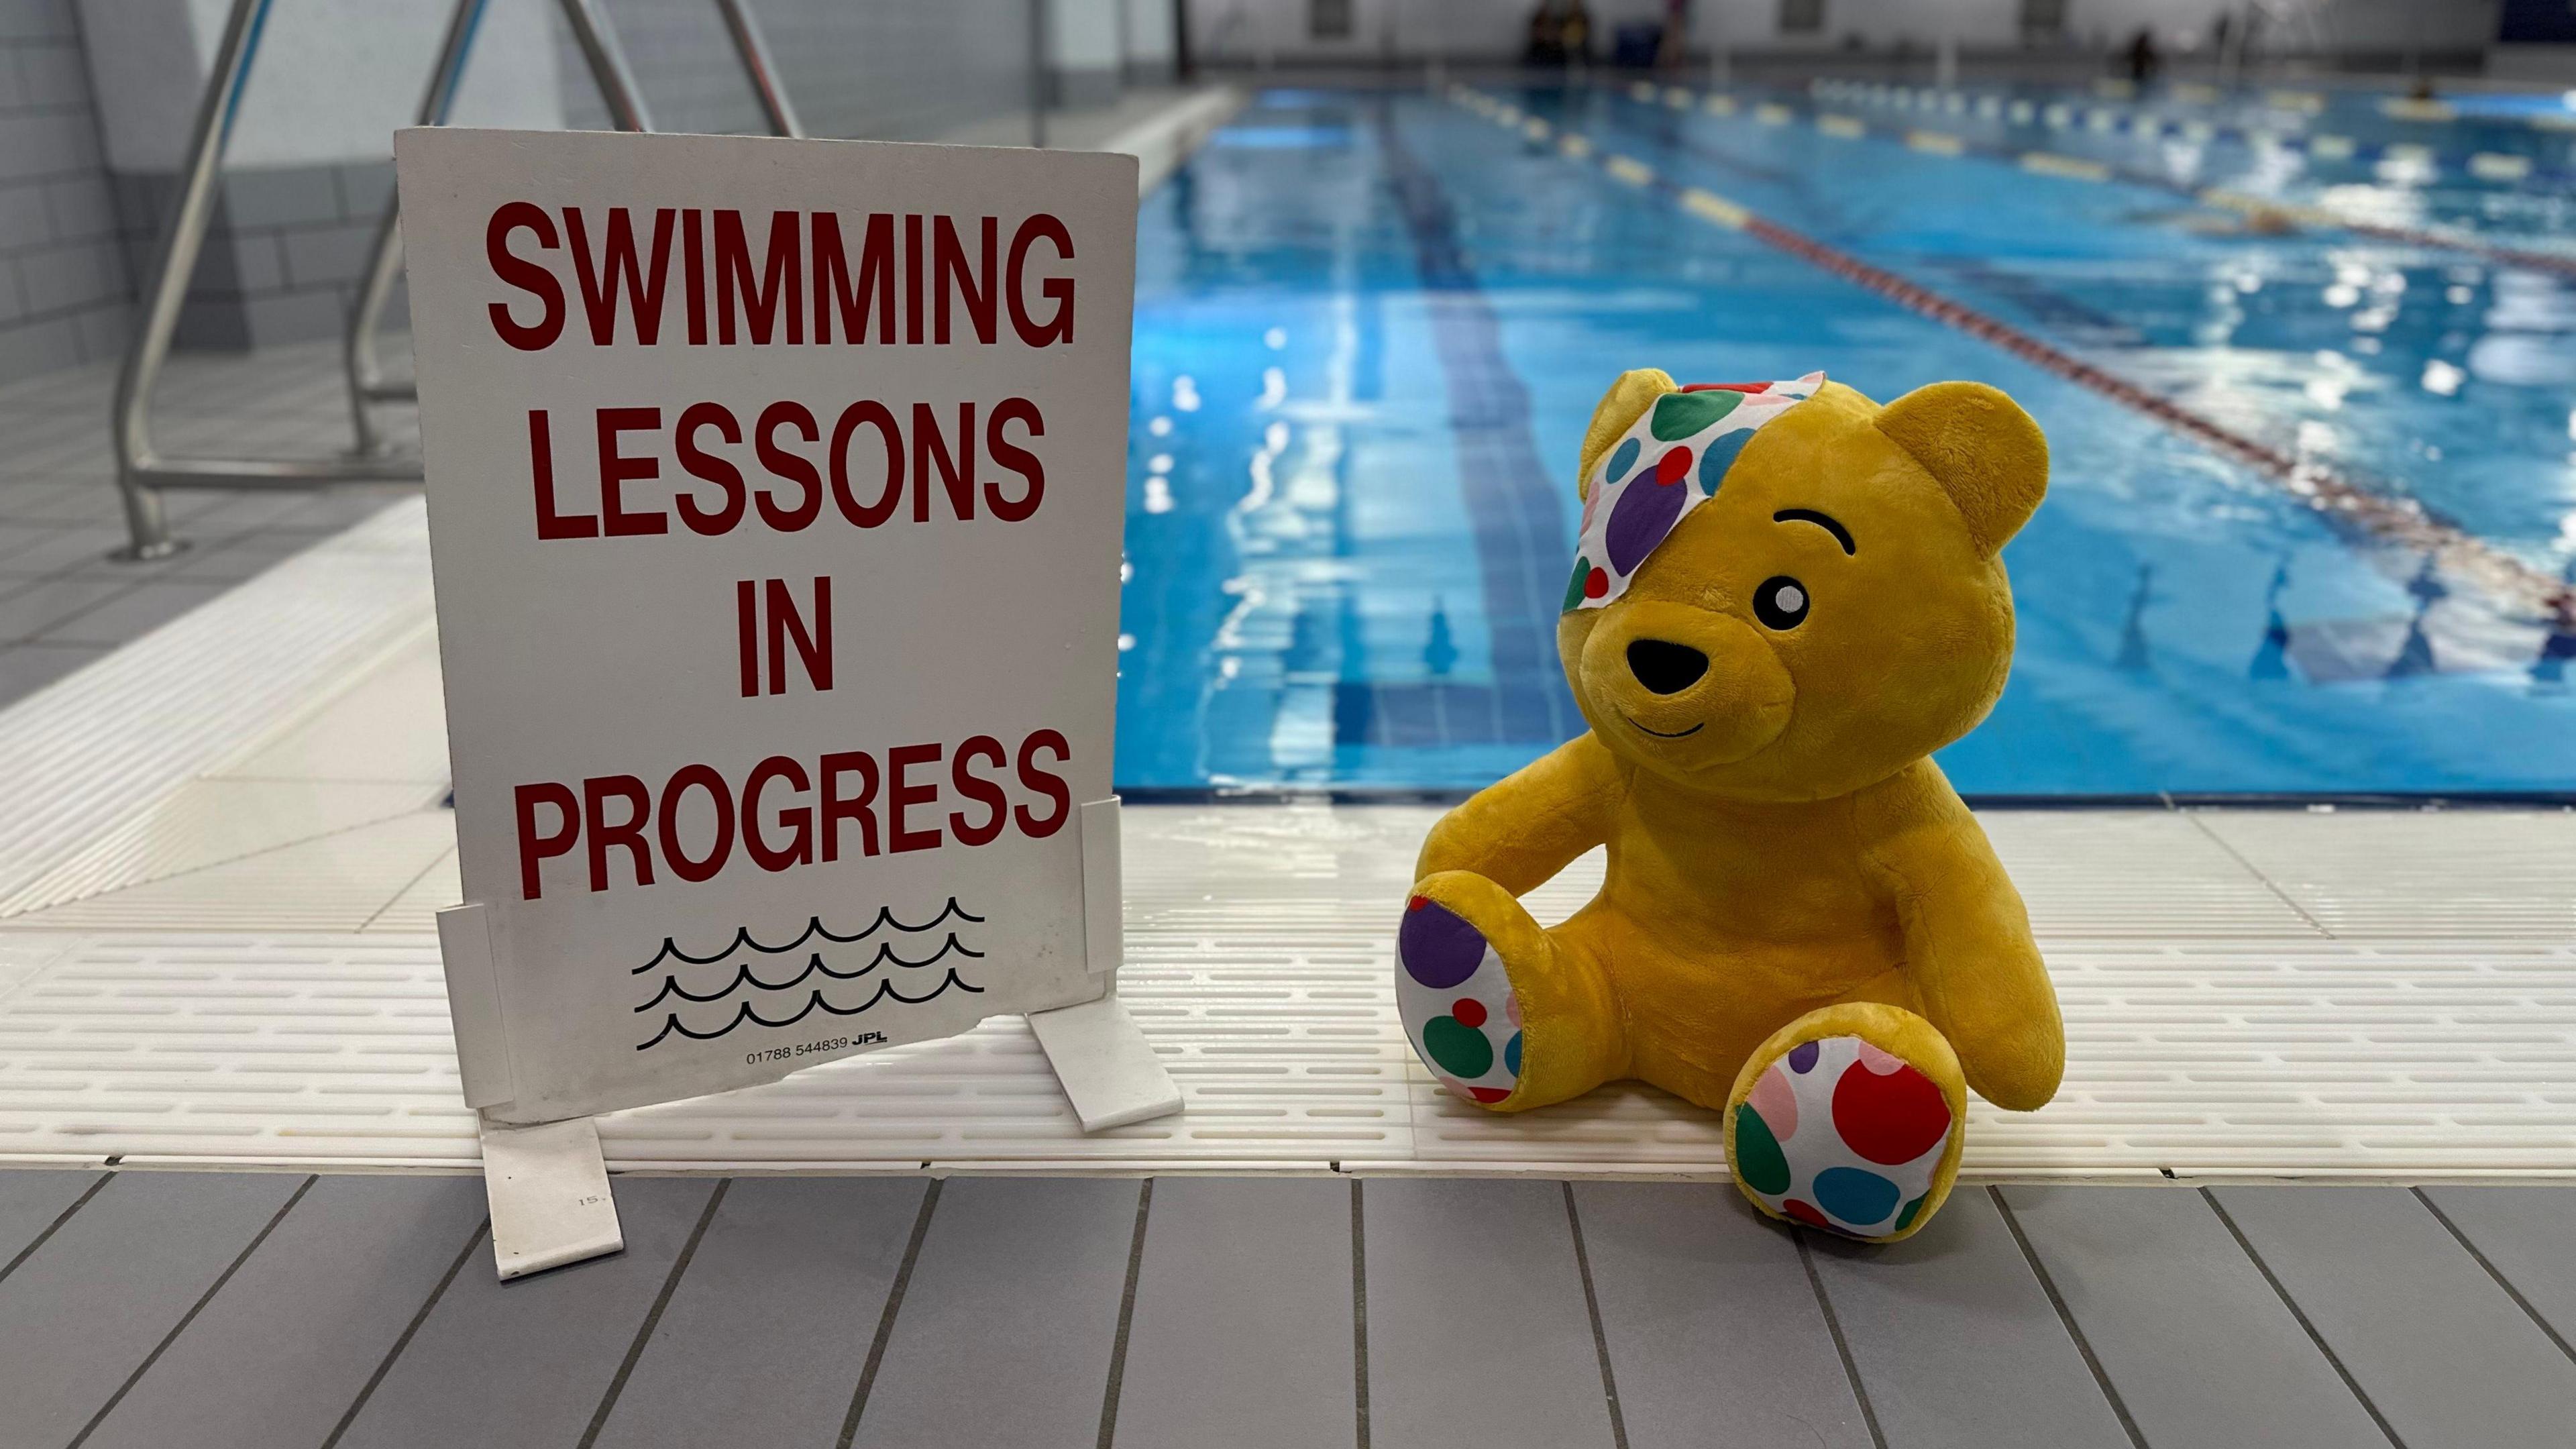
{"x": 1370, "y": 330}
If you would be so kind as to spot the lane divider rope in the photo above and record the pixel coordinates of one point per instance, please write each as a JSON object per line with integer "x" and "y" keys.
{"x": 1943, "y": 143}
{"x": 2397, "y": 520}
{"x": 2541, "y": 124}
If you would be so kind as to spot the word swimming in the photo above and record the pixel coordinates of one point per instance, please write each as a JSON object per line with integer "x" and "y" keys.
{"x": 785, "y": 813}
{"x": 889, "y": 280}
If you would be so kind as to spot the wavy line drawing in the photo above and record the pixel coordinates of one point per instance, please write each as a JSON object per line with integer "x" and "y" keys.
{"x": 744, "y": 1013}
{"x": 885, "y": 954}
{"x": 742, "y": 937}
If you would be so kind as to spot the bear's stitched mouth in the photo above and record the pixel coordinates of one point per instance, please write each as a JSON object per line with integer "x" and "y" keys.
{"x": 1659, "y": 734}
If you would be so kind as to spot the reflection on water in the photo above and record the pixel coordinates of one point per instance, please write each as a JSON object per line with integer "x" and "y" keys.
{"x": 1370, "y": 332}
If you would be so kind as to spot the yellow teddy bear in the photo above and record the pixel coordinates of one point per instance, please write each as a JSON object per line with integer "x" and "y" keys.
{"x": 1787, "y": 598}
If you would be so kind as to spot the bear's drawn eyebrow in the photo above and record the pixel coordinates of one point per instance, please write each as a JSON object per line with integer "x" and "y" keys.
{"x": 1841, "y": 534}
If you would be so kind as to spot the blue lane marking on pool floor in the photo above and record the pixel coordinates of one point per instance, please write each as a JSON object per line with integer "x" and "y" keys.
{"x": 1523, "y": 547}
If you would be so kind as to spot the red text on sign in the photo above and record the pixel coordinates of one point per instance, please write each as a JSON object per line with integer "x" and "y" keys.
{"x": 784, "y": 469}
{"x": 948, "y": 280}
{"x": 786, "y": 812}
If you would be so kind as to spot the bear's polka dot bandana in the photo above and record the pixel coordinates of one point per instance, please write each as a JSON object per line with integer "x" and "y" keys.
{"x": 1669, "y": 462}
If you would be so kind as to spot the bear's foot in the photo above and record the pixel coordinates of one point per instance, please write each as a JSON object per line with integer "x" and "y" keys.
{"x": 1849, "y": 1119}
{"x": 1509, "y": 1016}
{"x": 1455, "y": 992}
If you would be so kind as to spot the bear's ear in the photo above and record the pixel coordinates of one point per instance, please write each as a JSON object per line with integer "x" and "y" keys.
{"x": 1625, "y": 402}
{"x": 1982, "y": 449}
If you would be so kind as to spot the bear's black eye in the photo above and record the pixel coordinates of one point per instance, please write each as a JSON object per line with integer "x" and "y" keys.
{"x": 1781, "y": 602}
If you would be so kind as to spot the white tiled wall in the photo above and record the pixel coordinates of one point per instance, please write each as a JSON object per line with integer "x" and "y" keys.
{"x": 63, "y": 284}
{"x": 893, "y": 72}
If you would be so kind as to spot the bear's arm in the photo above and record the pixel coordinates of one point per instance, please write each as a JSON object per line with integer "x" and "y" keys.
{"x": 1967, "y": 938}
{"x": 1521, "y": 830}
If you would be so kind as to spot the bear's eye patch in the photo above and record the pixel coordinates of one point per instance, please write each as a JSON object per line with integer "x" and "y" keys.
{"x": 1824, "y": 521}
{"x": 1780, "y": 603}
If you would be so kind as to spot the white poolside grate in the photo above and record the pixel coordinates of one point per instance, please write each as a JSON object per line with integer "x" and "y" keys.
{"x": 1261, "y": 967}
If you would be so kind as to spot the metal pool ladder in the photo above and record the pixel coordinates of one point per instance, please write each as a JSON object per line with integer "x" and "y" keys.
{"x": 142, "y": 469}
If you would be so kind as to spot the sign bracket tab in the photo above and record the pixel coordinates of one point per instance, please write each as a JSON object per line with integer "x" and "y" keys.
{"x": 1100, "y": 1056}
{"x": 548, "y": 1188}
{"x": 1108, "y": 1068}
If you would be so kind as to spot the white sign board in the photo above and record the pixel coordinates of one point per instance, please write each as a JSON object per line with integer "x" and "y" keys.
{"x": 775, "y": 496}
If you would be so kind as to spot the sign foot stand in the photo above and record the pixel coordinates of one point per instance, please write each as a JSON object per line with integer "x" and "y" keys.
{"x": 1107, "y": 1067}
{"x": 548, "y": 1187}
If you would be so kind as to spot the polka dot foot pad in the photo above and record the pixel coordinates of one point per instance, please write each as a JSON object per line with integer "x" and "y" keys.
{"x": 1840, "y": 1135}
{"x": 1457, "y": 1002}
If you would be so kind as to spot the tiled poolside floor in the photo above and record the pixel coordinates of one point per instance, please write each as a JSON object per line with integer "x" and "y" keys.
{"x": 277, "y": 1310}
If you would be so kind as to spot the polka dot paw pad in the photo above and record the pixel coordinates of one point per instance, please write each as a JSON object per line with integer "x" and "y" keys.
{"x": 1840, "y": 1135}
{"x": 1457, "y": 1001}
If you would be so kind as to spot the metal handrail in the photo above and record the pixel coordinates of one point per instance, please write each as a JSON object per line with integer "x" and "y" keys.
{"x": 142, "y": 470}
{"x": 368, "y": 383}
{"x": 598, "y": 41}
{"x": 754, "y": 50}
{"x": 1039, "y": 25}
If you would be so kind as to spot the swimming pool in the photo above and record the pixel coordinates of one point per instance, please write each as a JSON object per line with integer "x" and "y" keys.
{"x": 1371, "y": 327}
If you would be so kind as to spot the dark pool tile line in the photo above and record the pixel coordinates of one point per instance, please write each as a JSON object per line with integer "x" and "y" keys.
{"x": 1515, "y": 517}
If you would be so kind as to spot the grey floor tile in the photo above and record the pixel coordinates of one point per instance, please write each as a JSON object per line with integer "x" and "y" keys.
{"x": 17, "y": 536}
{"x": 86, "y": 1308}
{"x": 247, "y": 512}
{"x": 88, "y": 462}
{"x": 1710, "y": 1320}
{"x": 2523, "y": 1234}
{"x": 2443, "y": 1352}
{"x": 70, "y": 389}
{"x": 1010, "y": 1318}
{"x": 764, "y": 1340}
{"x": 1956, "y": 1341}
{"x": 184, "y": 506}
{"x": 1477, "y": 1330}
{"x": 44, "y": 442}
{"x": 25, "y": 500}
{"x": 26, "y": 668}
{"x": 31, "y": 608}
{"x": 30, "y": 1202}
{"x": 2199, "y": 1347}
{"x": 235, "y": 560}
{"x": 1243, "y": 1329}
{"x": 94, "y": 503}
{"x": 338, "y": 509}
{"x": 280, "y": 1353}
{"x": 66, "y": 548}
{"x": 503, "y": 1365}
{"x": 107, "y": 565}
{"x": 27, "y": 470}
{"x": 131, "y": 615}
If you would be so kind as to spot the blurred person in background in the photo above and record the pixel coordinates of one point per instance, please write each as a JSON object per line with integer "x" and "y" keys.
{"x": 2143, "y": 60}
{"x": 1574, "y": 33}
{"x": 1546, "y": 37}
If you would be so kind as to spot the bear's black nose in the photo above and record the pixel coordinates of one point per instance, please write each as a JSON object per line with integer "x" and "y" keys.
{"x": 1665, "y": 667}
